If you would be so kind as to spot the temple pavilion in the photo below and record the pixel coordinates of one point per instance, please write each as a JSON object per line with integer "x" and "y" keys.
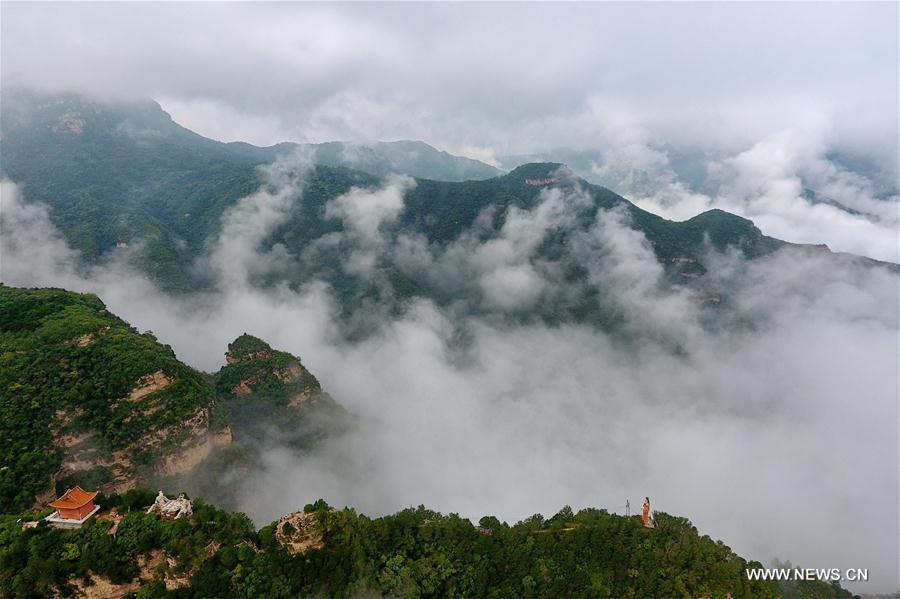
{"x": 73, "y": 508}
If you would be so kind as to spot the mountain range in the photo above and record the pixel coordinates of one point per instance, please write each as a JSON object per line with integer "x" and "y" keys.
{"x": 124, "y": 175}
{"x": 86, "y": 399}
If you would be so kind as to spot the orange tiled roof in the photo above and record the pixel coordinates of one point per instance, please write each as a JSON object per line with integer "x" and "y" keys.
{"x": 73, "y": 499}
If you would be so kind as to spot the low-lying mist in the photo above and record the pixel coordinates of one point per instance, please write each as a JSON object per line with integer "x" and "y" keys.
{"x": 775, "y": 431}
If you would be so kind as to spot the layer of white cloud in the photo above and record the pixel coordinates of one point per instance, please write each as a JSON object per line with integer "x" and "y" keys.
{"x": 739, "y": 429}
{"x": 450, "y": 75}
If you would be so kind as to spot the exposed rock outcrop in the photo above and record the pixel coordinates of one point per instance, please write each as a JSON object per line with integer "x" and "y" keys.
{"x": 541, "y": 182}
{"x": 101, "y": 587}
{"x": 299, "y": 399}
{"x": 195, "y": 452}
{"x": 232, "y": 357}
{"x": 181, "y": 447}
{"x": 171, "y": 508}
{"x": 253, "y": 367}
{"x": 272, "y": 398}
{"x": 243, "y": 388}
{"x": 299, "y": 532}
{"x": 87, "y": 338}
{"x": 290, "y": 373}
{"x": 147, "y": 384}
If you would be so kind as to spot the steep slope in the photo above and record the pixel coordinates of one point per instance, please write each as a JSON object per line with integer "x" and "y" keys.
{"x": 117, "y": 172}
{"x": 113, "y": 173}
{"x": 444, "y": 210}
{"x": 459, "y": 218}
{"x": 86, "y": 397}
{"x": 253, "y": 368}
{"x": 61, "y": 123}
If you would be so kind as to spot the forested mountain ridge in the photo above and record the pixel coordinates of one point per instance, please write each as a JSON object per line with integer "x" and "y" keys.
{"x": 78, "y": 385}
{"x": 125, "y": 159}
{"x": 86, "y": 399}
{"x": 86, "y": 396}
{"x": 82, "y": 393}
{"x": 120, "y": 173}
{"x": 417, "y": 552}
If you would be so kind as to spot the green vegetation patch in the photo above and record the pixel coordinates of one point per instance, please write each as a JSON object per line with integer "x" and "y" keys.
{"x": 69, "y": 366}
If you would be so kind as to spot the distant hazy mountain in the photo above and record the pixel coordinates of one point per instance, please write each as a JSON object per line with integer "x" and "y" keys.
{"x": 414, "y": 158}
{"x": 31, "y": 113}
{"x": 114, "y": 171}
{"x": 405, "y": 157}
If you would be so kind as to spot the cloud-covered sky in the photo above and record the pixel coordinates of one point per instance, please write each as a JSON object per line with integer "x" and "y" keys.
{"x": 499, "y": 76}
{"x": 768, "y": 98}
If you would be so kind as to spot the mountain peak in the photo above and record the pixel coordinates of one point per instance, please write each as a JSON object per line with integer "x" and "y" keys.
{"x": 253, "y": 366}
{"x": 247, "y": 347}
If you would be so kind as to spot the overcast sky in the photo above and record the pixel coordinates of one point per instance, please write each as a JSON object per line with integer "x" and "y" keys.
{"x": 497, "y": 77}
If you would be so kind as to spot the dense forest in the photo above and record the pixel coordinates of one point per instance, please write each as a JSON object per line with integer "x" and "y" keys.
{"x": 340, "y": 553}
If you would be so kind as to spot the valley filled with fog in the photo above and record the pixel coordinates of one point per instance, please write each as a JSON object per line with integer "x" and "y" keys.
{"x": 757, "y": 395}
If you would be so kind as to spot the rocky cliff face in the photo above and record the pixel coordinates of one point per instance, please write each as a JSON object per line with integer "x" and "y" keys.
{"x": 165, "y": 447}
{"x": 272, "y": 398}
{"x": 274, "y": 385}
{"x": 87, "y": 399}
{"x": 201, "y": 444}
